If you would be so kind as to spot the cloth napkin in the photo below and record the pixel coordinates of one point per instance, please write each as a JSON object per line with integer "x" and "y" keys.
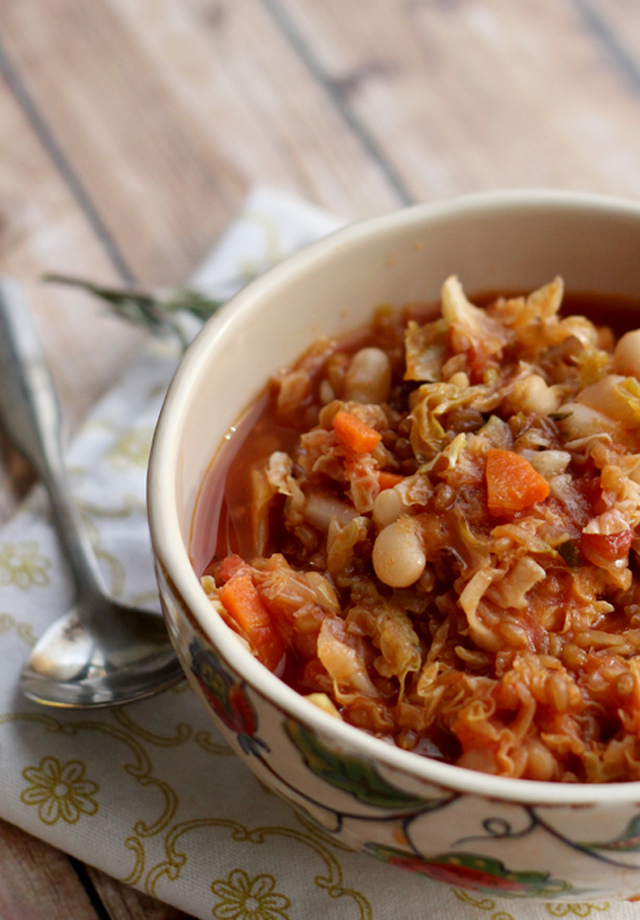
{"x": 150, "y": 793}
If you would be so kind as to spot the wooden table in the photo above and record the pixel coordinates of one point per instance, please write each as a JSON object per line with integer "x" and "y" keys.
{"x": 130, "y": 131}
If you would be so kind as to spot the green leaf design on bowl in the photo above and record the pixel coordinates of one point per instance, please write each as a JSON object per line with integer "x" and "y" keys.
{"x": 352, "y": 774}
{"x": 480, "y": 873}
{"x": 627, "y": 842}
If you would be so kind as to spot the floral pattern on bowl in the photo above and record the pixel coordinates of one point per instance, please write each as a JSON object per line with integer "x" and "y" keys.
{"x": 227, "y": 698}
{"x": 351, "y": 798}
{"x": 488, "y": 876}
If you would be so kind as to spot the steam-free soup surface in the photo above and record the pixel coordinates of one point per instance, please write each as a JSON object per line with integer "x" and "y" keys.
{"x": 429, "y": 528}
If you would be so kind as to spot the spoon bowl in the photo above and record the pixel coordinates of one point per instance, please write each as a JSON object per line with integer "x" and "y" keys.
{"x": 101, "y": 652}
{"x": 78, "y": 665}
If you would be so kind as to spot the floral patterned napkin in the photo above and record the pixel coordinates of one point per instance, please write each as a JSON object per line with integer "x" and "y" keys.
{"x": 150, "y": 793}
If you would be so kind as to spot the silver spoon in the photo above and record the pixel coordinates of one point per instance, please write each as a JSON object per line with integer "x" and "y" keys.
{"x": 101, "y": 652}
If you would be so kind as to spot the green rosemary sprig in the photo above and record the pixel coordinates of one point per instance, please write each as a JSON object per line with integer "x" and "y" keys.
{"x": 155, "y": 310}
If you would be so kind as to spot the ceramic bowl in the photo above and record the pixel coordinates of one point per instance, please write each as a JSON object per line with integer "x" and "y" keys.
{"x": 496, "y": 835}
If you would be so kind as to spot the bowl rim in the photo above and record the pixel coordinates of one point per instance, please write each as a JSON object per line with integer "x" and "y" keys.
{"x": 173, "y": 556}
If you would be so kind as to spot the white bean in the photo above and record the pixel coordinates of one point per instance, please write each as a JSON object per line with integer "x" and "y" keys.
{"x": 398, "y": 556}
{"x": 585, "y": 422}
{"x": 533, "y": 394}
{"x": 368, "y": 379}
{"x": 387, "y": 507}
{"x": 626, "y": 357}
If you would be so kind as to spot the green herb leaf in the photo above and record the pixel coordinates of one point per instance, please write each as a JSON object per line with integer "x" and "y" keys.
{"x": 570, "y": 553}
{"x": 156, "y": 311}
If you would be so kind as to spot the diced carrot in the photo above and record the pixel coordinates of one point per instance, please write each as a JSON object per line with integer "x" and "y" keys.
{"x": 388, "y": 480}
{"x": 242, "y": 602}
{"x": 356, "y": 434}
{"x": 512, "y": 483}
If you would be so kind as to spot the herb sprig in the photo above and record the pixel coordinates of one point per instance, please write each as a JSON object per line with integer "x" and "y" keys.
{"x": 157, "y": 311}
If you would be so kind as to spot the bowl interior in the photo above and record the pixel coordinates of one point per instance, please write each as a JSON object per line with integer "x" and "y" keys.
{"x": 509, "y": 241}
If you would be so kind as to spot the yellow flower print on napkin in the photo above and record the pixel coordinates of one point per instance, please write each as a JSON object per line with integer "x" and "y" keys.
{"x": 59, "y": 790}
{"x": 575, "y": 910}
{"x": 242, "y": 898}
{"x": 23, "y": 565}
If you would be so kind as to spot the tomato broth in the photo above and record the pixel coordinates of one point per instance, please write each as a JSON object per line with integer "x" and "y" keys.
{"x": 429, "y": 528}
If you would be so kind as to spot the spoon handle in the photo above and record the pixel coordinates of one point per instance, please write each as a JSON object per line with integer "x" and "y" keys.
{"x": 32, "y": 419}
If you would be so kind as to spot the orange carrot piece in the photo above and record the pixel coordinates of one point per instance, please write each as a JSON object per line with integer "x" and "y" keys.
{"x": 242, "y": 602}
{"x": 355, "y": 433}
{"x": 388, "y": 480}
{"x": 512, "y": 483}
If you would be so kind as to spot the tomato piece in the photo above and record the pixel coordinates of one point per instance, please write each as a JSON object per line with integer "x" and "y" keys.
{"x": 230, "y": 566}
{"x": 603, "y": 549}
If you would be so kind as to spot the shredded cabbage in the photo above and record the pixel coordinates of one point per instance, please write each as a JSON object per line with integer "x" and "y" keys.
{"x": 513, "y": 644}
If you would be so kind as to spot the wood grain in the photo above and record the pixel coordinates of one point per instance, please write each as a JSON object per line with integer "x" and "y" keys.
{"x": 252, "y": 91}
{"x": 165, "y": 171}
{"x": 42, "y": 226}
{"x": 468, "y": 96}
{"x": 37, "y": 882}
{"x": 150, "y": 177}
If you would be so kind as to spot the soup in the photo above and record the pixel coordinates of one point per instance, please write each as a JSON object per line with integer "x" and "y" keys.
{"x": 429, "y": 529}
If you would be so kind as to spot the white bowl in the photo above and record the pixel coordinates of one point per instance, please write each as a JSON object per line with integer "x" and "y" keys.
{"x": 494, "y": 834}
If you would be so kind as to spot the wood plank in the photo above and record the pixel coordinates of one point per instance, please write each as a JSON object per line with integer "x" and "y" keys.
{"x": 157, "y": 185}
{"x": 37, "y": 881}
{"x": 169, "y": 115}
{"x": 235, "y": 68}
{"x": 124, "y": 903}
{"x": 42, "y": 227}
{"x": 616, "y": 27}
{"x": 485, "y": 94}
